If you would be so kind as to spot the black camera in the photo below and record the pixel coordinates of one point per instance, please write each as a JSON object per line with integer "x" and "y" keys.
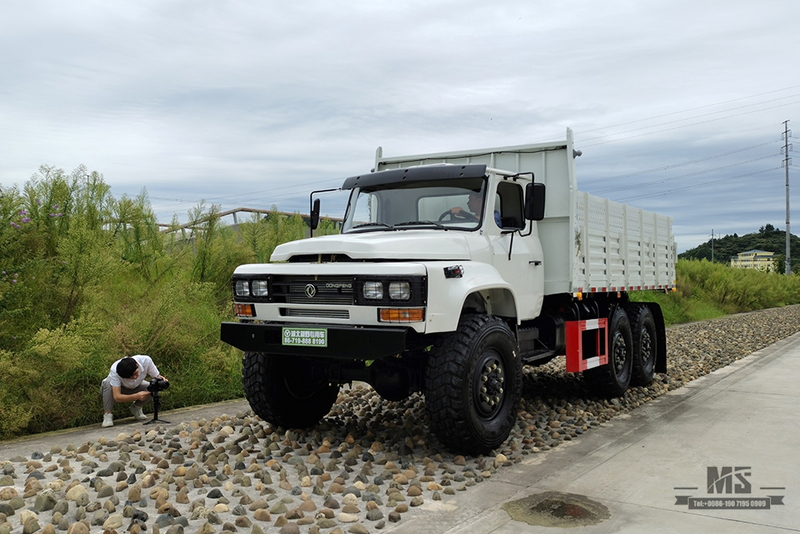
{"x": 157, "y": 384}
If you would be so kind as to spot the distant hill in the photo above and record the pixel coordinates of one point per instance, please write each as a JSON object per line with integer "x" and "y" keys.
{"x": 767, "y": 238}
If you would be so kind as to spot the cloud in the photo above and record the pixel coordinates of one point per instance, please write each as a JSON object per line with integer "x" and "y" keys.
{"x": 247, "y": 102}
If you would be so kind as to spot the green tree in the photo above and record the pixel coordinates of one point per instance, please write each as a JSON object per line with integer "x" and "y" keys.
{"x": 135, "y": 228}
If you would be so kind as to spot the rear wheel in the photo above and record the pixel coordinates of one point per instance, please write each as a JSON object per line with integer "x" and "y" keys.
{"x": 473, "y": 385}
{"x": 612, "y": 379}
{"x": 643, "y": 328}
{"x": 285, "y": 391}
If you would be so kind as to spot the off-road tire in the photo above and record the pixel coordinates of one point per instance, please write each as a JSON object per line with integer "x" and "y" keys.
{"x": 612, "y": 379}
{"x": 643, "y": 331}
{"x": 473, "y": 384}
{"x": 281, "y": 392}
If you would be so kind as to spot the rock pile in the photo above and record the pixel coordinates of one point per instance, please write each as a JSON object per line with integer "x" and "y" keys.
{"x": 369, "y": 463}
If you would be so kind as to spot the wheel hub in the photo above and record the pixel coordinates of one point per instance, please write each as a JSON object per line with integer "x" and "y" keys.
{"x": 490, "y": 386}
{"x": 619, "y": 354}
{"x": 301, "y": 386}
{"x": 646, "y": 347}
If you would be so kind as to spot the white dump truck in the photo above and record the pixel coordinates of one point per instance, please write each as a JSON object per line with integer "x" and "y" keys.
{"x": 451, "y": 272}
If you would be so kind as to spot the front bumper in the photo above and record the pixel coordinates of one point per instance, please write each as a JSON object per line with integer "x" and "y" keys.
{"x": 343, "y": 342}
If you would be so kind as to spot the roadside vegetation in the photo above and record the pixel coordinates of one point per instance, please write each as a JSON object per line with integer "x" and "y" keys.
{"x": 86, "y": 278}
{"x": 707, "y": 290}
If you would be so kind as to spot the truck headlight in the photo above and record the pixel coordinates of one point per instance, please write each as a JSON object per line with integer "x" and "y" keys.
{"x": 260, "y": 288}
{"x": 242, "y": 288}
{"x": 373, "y": 290}
{"x": 399, "y": 291}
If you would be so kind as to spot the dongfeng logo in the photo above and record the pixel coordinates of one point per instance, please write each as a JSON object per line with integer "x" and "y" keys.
{"x": 311, "y": 290}
{"x": 339, "y": 285}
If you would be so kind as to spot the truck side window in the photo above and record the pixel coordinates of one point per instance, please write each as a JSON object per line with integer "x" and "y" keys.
{"x": 510, "y": 205}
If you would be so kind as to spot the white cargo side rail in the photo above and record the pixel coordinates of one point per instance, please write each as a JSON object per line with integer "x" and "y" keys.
{"x": 621, "y": 248}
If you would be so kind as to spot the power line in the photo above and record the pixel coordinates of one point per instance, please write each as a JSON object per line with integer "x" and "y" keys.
{"x": 691, "y": 109}
{"x": 698, "y": 116}
{"x": 694, "y": 186}
{"x": 676, "y": 165}
{"x": 683, "y": 126}
{"x": 689, "y": 175}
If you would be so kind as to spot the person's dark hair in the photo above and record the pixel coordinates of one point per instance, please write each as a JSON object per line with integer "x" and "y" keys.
{"x": 126, "y": 367}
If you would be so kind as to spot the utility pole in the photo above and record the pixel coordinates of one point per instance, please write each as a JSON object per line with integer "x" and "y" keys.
{"x": 786, "y": 147}
{"x": 712, "y": 245}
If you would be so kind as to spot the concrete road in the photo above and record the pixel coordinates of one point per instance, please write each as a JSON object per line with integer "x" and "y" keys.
{"x": 676, "y": 465}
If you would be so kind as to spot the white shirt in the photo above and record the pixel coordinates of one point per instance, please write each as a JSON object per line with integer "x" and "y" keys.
{"x": 146, "y": 367}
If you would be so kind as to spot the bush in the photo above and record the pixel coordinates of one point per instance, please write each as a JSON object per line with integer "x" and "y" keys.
{"x": 86, "y": 279}
{"x": 706, "y": 290}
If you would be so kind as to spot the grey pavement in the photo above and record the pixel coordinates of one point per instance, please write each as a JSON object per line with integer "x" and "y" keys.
{"x": 742, "y": 416}
{"x": 642, "y": 468}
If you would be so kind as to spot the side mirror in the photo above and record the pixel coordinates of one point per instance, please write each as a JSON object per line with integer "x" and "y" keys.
{"x": 534, "y": 201}
{"x": 315, "y": 214}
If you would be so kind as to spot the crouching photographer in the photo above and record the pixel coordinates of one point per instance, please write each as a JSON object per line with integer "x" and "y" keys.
{"x": 126, "y": 383}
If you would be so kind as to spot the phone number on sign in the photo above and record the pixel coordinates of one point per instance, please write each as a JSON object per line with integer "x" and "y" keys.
{"x": 717, "y": 504}
{"x": 307, "y": 338}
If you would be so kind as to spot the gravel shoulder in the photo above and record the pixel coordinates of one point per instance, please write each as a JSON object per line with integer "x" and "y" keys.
{"x": 365, "y": 468}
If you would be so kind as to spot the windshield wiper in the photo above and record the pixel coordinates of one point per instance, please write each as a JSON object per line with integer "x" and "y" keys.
{"x": 420, "y": 223}
{"x": 379, "y": 224}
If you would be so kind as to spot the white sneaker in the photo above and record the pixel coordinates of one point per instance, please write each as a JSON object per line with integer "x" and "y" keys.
{"x": 108, "y": 419}
{"x": 137, "y": 412}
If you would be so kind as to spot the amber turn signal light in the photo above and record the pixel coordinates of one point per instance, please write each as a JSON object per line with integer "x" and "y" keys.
{"x": 401, "y": 315}
{"x": 244, "y": 310}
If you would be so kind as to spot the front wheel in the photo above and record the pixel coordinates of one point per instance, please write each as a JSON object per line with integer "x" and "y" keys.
{"x": 285, "y": 391}
{"x": 473, "y": 385}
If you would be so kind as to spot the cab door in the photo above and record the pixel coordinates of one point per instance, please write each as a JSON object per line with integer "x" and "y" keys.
{"x": 516, "y": 250}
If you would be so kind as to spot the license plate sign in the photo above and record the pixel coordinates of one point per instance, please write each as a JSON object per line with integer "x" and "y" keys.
{"x": 304, "y": 337}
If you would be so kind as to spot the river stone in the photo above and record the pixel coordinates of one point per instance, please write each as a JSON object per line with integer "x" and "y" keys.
{"x": 347, "y": 518}
{"x": 78, "y": 528}
{"x": 73, "y": 493}
{"x": 261, "y": 514}
{"x": 114, "y": 521}
{"x": 290, "y": 528}
{"x": 46, "y": 500}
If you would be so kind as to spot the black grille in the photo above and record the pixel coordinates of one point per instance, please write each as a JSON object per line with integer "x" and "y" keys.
{"x": 313, "y": 290}
{"x": 315, "y": 312}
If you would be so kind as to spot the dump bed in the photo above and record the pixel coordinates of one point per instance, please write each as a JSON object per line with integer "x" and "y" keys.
{"x": 590, "y": 244}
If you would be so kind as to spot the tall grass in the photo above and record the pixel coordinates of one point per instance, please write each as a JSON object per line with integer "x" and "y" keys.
{"x": 706, "y": 290}
{"x": 86, "y": 279}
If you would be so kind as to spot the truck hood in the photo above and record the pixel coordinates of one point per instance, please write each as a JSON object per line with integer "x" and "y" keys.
{"x": 401, "y": 245}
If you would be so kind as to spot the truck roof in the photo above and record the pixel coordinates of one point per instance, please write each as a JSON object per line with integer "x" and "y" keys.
{"x": 416, "y": 174}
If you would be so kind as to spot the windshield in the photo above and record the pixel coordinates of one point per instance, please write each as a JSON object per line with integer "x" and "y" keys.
{"x": 445, "y": 204}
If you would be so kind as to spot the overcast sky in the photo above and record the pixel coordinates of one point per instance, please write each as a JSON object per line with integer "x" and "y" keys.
{"x": 677, "y": 105}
